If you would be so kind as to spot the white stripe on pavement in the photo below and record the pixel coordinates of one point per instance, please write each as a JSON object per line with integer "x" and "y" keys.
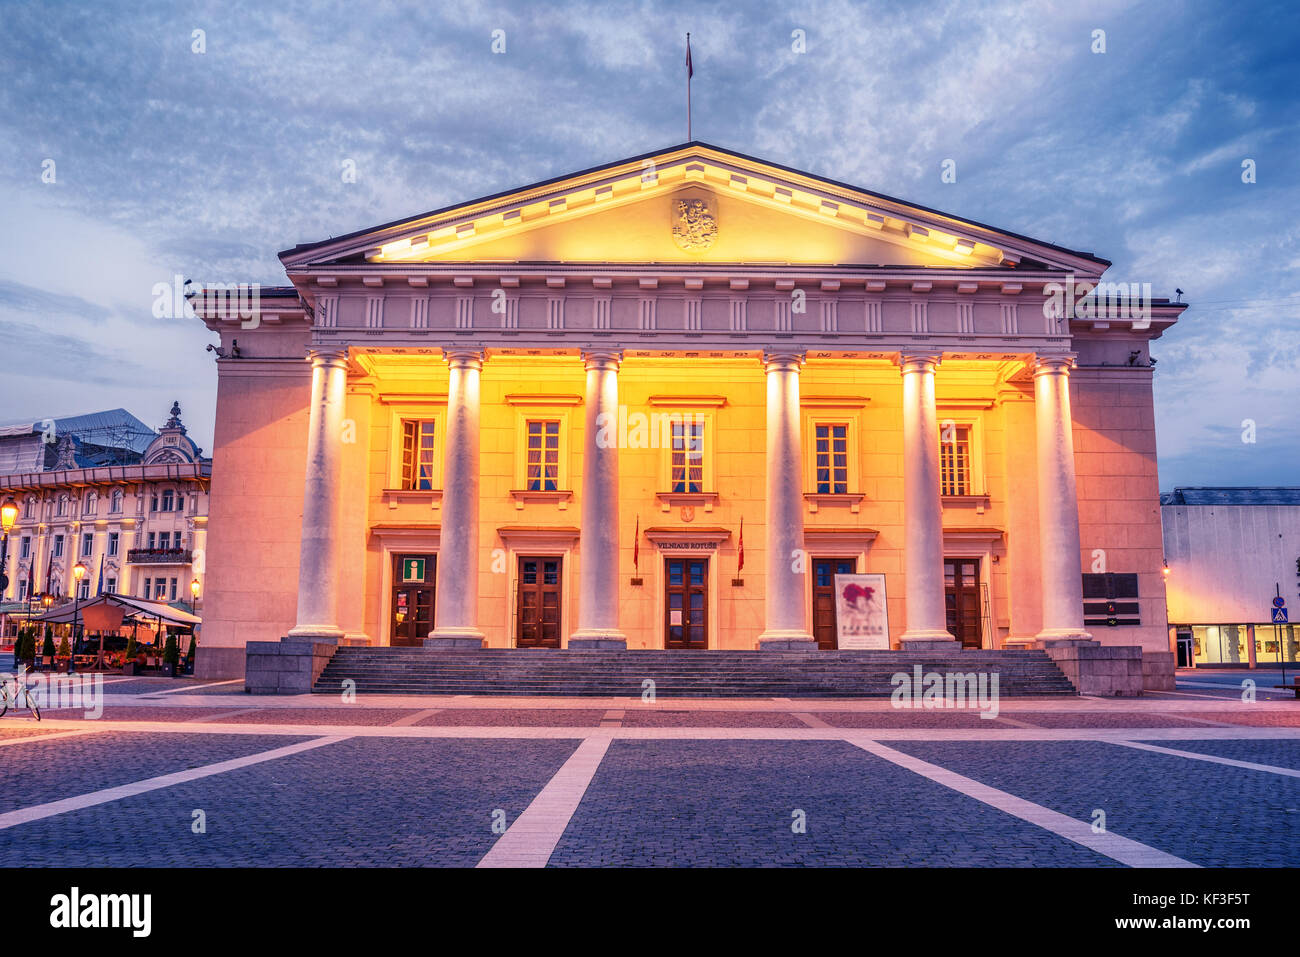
{"x": 26, "y": 738}
{"x": 531, "y": 840}
{"x": 1122, "y": 849}
{"x": 37, "y": 812}
{"x": 210, "y": 684}
{"x": 1212, "y": 758}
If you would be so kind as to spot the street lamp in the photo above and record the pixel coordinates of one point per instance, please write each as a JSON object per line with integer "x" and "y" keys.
{"x": 8, "y": 515}
{"x": 78, "y": 572}
{"x": 46, "y": 601}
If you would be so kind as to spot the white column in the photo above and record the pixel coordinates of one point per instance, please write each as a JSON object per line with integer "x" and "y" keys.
{"x": 786, "y": 622}
{"x": 1058, "y": 506}
{"x": 318, "y": 566}
{"x": 922, "y": 509}
{"x": 598, "y": 587}
{"x": 455, "y": 615}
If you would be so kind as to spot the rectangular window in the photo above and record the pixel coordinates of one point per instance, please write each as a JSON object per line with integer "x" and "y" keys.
{"x": 26, "y": 550}
{"x": 112, "y": 543}
{"x": 164, "y": 540}
{"x": 955, "y": 460}
{"x": 153, "y": 539}
{"x": 148, "y": 585}
{"x": 87, "y": 543}
{"x": 110, "y": 586}
{"x": 167, "y": 498}
{"x": 58, "y": 546}
{"x": 832, "y": 459}
{"x": 172, "y": 589}
{"x": 153, "y": 502}
{"x": 687, "y": 468}
{"x": 543, "y": 455}
{"x": 83, "y": 589}
{"x": 417, "y": 454}
{"x": 160, "y": 588}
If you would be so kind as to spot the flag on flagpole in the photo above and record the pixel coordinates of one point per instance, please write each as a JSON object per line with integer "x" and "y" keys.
{"x": 636, "y": 546}
{"x": 31, "y": 579}
{"x": 740, "y": 562}
{"x": 49, "y": 570}
{"x": 690, "y": 68}
{"x": 99, "y": 589}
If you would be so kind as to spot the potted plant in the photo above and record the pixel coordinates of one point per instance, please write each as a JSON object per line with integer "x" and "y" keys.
{"x": 128, "y": 657}
{"x": 171, "y": 657}
{"x": 47, "y": 650}
{"x": 64, "y": 654}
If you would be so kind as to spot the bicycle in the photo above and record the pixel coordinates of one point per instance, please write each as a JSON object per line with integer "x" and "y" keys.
{"x": 20, "y": 686}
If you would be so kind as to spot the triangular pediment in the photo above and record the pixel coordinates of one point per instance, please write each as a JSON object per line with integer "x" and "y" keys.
{"x": 690, "y": 204}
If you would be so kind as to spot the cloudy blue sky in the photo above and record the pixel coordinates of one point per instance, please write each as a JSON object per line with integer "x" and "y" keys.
{"x": 169, "y": 162}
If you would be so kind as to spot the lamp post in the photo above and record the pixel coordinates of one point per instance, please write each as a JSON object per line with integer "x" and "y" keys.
{"x": 194, "y": 610}
{"x": 46, "y": 601}
{"x": 78, "y": 573}
{"x": 8, "y": 515}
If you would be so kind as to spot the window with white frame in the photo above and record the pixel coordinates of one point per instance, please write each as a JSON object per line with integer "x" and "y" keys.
{"x": 168, "y": 500}
{"x": 83, "y": 589}
{"x": 63, "y": 506}
{"x": 686, "y": 466}
{"x": 115, "y": 502}
{"x": 543, "y": 455}
{"x": 831, "y": 457}
{"x": 87, "y": 543}
{"x": 29, "y": 506}
{"x": 113, "y": 539}
{"x": 418, "y": 460}
{"x": 92, "y": 503}
{"x": 171, "y": 588}
{"x": 58, "y": 546}
{"x": 110, "y": 586}
{"x": 956, "y": 459}
{"x": 25, "y": 551}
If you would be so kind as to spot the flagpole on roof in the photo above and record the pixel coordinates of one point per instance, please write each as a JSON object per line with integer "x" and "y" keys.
{"x": 690, "y": 72}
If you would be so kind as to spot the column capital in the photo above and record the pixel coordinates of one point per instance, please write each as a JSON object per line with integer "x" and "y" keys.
{"x": 783, "y": 360}
{"x": 600, "y": 360}
{"x": 328, "y": 355}
{"x": 458, "y": 357}
{"x": 919, "y": 361}
{"x": 1054, "y": 365}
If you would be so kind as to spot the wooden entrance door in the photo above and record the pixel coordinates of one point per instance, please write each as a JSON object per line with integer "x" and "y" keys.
{"x": 961, "y": 586}
{"x": 823, "y": 599}
{"x": 411, "y": 608}
{"x": 686, "y": 603}
{"x": 538, "y": 624}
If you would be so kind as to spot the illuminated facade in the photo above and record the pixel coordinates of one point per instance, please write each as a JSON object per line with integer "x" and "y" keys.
{"x": 111, "y": 493}
{"x": 541, "y": 418}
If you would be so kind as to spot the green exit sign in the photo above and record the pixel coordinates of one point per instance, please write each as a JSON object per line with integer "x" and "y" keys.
{"x": 413, "y": 569}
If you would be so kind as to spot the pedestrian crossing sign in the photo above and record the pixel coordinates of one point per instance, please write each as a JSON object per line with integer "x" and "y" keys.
{"x": 1279, "y": 615}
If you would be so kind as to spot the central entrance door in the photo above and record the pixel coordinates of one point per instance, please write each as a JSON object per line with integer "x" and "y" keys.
{"x": 823, "y": 599}
{"x": 686, "y": 603}
{"x": 411, "y": 609}
{"x": 961, "y": 586}
{"x": 538, "y": 602}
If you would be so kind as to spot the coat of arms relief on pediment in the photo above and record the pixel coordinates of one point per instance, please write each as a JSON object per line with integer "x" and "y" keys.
{"x": 695, "y": 223}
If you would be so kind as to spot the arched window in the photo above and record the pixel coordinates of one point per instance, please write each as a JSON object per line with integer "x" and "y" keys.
{"x": 115, "y": 503}
{"x": 92, "y": 503}
{"x": 29, "y": 506}
{"x": 62, "y": 507}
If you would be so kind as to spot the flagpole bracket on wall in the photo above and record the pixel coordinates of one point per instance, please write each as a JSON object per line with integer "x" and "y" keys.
{"x": 738, "y": 583}
{"x": 637, "y": 582}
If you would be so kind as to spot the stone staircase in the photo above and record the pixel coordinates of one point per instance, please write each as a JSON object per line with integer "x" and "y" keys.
{"x": 676, "y": 674}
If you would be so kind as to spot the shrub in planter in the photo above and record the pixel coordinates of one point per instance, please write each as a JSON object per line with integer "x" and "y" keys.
{"x": 47, "y": 650}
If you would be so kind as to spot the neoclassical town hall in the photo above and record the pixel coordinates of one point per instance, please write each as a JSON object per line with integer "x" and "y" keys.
{"x": 664, "y": 403}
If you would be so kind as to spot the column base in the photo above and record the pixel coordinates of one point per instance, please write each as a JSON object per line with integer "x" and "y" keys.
{"x": 597, "y": 639}
{"x": 316, "y": 631}
{"x": 928, "y": 640}
{"x": 783, "y": 640}
{"x": 455, "y": 639}
{"x": 1063, "y": 638}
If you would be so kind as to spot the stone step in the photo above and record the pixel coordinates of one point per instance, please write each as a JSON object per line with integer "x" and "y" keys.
{"x": 550, "y": 672}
